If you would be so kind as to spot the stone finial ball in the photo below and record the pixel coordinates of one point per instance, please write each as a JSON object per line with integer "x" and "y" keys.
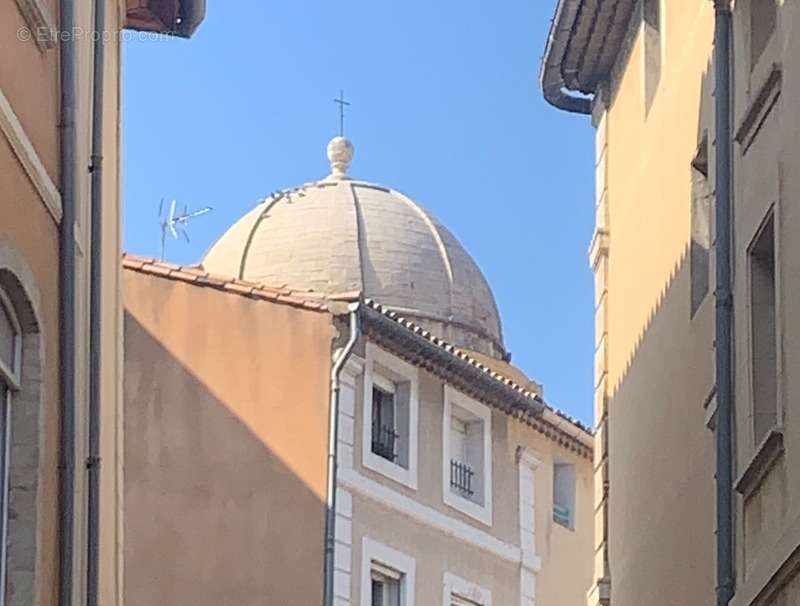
{"x": 340, "y": 154}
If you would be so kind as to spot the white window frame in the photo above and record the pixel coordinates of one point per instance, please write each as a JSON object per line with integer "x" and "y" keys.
{"x": 410, "y": 373}
{"x": 375, "y": 555}
{"x": 10, "y": 375}
{"x": 11, "y": 378}
{"x": 482, "y": 513}
{"x": 469, "y": 593}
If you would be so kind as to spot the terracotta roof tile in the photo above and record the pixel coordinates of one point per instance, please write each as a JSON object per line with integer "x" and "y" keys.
{"x": 195, "y": 275}
{"x": 542, "y": 425}
{"x": 266, "y": 295}
{"x": 157, "y": 269}
{"x": 182, "y": 274}
{"x": 243, "y": 289}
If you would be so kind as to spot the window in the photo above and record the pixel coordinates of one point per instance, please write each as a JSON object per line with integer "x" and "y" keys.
{"x": 564, "y": 494}
{"x": 467, "y": 448}
{"x": 651, "y": 21}
{"x": 384, "y": 418}
{"x": 385, "y": 586}
{"x": 390, "y": 416}
{"x": 763, "y": 18}
{"x": 21, "y": 403}
{"x": 700, "y": 252}
{"x": 10, "y": 362}
{"x": 459, "y": 592}
{"x": 764, "y": 330}
{"x": 461, "y": 471}
{"x": 387, "y": 575}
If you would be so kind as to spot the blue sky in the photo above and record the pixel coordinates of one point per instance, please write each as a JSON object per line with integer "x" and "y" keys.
{"x": 445, "y": 107}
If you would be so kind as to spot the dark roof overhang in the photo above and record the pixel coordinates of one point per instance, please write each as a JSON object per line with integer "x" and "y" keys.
{"x": 418, "y": 346}
{"x": 423, "y": 349}
{"x": 179, "y": 18}
{"x": 585, "y": 39}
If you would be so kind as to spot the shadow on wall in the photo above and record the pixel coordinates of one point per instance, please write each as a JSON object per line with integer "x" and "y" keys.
{"x": 700, "y": 207}
{"x": 661, "y": 482}
{"x": 212, "y": 515}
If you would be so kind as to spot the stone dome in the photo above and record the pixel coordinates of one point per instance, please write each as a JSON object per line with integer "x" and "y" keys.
{"x": 340, "y": 234}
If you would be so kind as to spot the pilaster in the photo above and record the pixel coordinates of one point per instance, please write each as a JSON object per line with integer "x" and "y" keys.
{"x": 528, "y": 462}
{"x": 600, "y": 592}
{"x": 343, "y": 548}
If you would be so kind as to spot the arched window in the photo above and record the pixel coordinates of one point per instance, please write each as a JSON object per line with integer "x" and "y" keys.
{"x": 10, "y": 382}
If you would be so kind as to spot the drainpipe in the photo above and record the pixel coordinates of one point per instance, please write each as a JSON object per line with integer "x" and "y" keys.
{"x": 95, "y": 308}
{"x": 724, "y": 304}
{"x": 66, "y": 458}
{"x": 333, "y": 439}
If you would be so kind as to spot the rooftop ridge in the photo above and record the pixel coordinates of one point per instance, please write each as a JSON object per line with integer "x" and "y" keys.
{"x": 195, "y": 274}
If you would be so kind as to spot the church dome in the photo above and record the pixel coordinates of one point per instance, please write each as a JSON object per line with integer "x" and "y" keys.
{"x": 340, "y": 234}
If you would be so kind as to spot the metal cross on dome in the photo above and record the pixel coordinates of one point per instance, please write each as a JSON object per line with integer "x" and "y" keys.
{"x": 342, "y": 103}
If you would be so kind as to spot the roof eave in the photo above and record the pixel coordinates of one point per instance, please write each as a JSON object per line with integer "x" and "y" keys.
{"x": 454, "y": 366}
{"x": 447, "y": 362}
{"x": 178, "y": 18}
{"x": 551, "y": 78}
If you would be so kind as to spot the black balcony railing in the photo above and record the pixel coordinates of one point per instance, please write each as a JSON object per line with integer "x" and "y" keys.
{"x": 384, "y": 441}
{"x": 461, "y": 476}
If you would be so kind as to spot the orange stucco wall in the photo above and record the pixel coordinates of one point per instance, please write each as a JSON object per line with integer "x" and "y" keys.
{"x": 226, "y": 411}
{"x": 659, "y": 356}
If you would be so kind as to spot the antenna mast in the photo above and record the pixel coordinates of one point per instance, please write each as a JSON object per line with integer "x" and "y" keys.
{"x": 175, "y": 224}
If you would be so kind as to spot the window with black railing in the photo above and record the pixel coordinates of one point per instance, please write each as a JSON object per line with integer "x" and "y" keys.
{"x": 384, "y": 435}
{"x": 461, "y": 478}
{"x": 384, "y": 441}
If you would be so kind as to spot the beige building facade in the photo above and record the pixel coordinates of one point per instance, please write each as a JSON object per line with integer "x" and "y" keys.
{"x": 375, "y": 391}
{"x": 504, "y": 543}
{"x": 46, "y": 461}
{"x": 645, "y": 72}
{"x": 31, "y": 207}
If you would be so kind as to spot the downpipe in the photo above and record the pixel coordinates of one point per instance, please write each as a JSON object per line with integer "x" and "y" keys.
{"x": 724, "y": 304}
{"x": 66, "y": 447}
{"x": 333, "y": 439}
{"x": 95, "y": 310}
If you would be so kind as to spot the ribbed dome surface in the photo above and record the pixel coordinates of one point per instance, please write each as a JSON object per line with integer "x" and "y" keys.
{"x": 341, "y": 235}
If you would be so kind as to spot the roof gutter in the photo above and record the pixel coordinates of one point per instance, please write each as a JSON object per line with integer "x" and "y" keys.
{"x": 192, "y": 14}
{"x": 551, "y": 78}
{"x": 179, "y": 18}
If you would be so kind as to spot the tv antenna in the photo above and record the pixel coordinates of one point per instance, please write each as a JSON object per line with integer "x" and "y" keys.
{"x": 174, "y": 224}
